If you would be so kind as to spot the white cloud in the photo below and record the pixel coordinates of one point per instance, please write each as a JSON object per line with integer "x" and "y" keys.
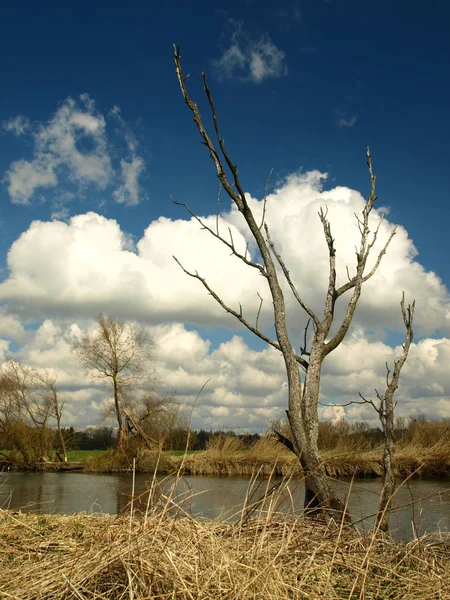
{"x": 249, "y": 59}
{"x": 4, "y": 350}
{"x": 128, "y": 192}
{"x": 73, "y": 149}
{"x": 88, "y": 265}
{"x": 10, "y": 326}
{"x": 344, "y": 120}
{"x": 72, "y": 271}
{"x": 25, "y": 177}
{"x": 18, "y": 125}
{"x": 247, "y": 388}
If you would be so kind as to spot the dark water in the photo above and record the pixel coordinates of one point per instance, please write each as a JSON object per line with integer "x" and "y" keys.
{"x": 422, "y": 506}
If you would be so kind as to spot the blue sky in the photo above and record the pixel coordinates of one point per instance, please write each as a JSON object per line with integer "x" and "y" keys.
{"x": 299, "y": 86}
{"x": 387, "y": 65}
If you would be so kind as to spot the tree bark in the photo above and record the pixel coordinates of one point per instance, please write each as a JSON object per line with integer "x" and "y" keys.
{"x": 389, "y": 484}
{"x": 123, "y": 437}
{"x": 61, "y": 437}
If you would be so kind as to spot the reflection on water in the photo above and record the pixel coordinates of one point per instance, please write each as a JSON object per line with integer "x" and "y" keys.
{"x": 422, "y": 505}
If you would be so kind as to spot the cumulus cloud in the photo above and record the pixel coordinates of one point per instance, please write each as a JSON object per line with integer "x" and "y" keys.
{"x": 247, "y": 388}
{"x": 18, "y": 125}
{"x": 250, "y": 59}
{"x": 73, "y": 149}
{"x": 10, "y": 326}
{"x": 57, "y": 148}
{"x": 88, "y": 265}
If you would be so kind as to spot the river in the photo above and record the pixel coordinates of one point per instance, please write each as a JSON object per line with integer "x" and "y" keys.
{"x": 422, "y": 505}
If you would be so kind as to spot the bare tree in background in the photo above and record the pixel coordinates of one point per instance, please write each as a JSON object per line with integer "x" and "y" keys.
{"x": 49, "y": 392}
{"x": 151, "y": 418}
{"x": 385, "y": 407}
{"x": 24, "y": 412}
{"x": 119, "y": 352}
{"x": 303, "y": 401}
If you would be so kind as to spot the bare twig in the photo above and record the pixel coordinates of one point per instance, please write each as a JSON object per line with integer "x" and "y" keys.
{"x": 217, "y": 209}
{"x": 304, "y": 351}
{"x": 265, "y": 198}
{"x": 229, "y": 245}
{"x": 259, "y": 309}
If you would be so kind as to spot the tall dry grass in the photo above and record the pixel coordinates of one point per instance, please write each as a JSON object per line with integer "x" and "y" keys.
{"x": 422, "y": 447}
{"x": 163, "y": 553}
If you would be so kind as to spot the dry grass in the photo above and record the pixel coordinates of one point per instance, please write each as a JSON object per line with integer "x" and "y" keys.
{"x": 157, "y": 556}
{"x": 419, "y": 453}
{"x": 270, "y": 457}
{"x": 116, "y": 462}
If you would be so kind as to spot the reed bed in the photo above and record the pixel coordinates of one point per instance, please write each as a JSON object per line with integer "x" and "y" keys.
{"x": 228, "y": 456}
{"x": 156, "y": 556}
{"x": 267, "y": 455}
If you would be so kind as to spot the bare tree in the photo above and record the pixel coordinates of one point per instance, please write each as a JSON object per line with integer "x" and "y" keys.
{"x": 119, "y": 352}
{"x": 303, "y": 401}
{"x": 49, "y": 392}
{"x": 385, "y": 408}
{"x": 153, "y": 417}
{"x": 24, "y": 411}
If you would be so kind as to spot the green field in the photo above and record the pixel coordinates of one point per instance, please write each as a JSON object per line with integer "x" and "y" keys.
{"x": 83, "y": 455}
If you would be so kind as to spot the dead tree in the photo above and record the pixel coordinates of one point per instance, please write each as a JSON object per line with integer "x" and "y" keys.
{"x": 303, "y": 400}
{"x": 385, "y": 408}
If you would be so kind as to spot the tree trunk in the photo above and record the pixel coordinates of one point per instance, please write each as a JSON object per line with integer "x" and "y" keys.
{"x": 320, "y": 498}
{"x": 61, "y": 437}
{"x": 123, "y": 438}
{"x": 389, "y": 485}
{"x": 384, "y": 507}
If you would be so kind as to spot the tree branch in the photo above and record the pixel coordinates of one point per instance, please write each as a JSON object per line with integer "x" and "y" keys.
{"x": 231, "y": 166}
{"x": 362, "y": 255}
{"x": 265, "y": 198}
{"x": 229, "y": 245}
{"x": 331, "y": 291}
{"x": 287, "y": 275}
{"x": 237, "y": 315}
{"x": 239, "y": 200}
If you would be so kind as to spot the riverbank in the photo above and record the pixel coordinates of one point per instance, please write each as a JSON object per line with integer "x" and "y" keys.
{"x": 100, "y": 556}
{"x": 266, "y": 457}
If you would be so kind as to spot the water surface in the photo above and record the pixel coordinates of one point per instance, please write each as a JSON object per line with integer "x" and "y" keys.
{"x": 422, "y": 505}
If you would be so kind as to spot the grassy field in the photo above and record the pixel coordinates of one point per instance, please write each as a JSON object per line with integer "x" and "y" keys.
{"x": 156, "y": 556}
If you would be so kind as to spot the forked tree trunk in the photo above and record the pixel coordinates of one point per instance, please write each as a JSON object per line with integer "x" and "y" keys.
{"x": 320, "y": 498}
